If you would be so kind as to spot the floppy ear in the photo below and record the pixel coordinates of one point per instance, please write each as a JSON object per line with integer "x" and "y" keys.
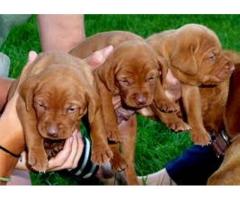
{"x": 26, "y": 91}
{"x": 106, "y": 73}
{"x": 232, "y": 55}
{"x": 93, "y": 105}
{"x": 183, "y": 58}
{"x": 163, "y": 68}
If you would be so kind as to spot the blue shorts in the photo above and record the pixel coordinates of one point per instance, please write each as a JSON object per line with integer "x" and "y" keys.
{"x": 195, "y": 166}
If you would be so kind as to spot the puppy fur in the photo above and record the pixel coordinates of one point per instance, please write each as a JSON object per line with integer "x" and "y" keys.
{"x": 57, "y": 91}
{"x": 131, "y": 72}
{"x": 228, "y": 172}
{"x": 194, "y": 55}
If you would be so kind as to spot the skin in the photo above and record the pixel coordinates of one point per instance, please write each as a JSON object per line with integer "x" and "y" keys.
{"x": 60, "y": 32}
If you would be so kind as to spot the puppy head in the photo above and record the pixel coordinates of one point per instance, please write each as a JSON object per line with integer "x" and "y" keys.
{"x": 197, "y": 53}
{"x": 132, "y": 70}
{"x": 58, "y": 101}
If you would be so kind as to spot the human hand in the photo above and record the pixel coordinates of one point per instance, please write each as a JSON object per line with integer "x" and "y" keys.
{"x": 69, "y": 157}
{"x": 98, "y": 57}
{"x": 173, "y": 87}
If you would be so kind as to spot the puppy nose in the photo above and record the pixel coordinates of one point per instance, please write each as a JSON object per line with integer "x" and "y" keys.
{"x": 141, "y": 100}
{"x": 52, "y": 131}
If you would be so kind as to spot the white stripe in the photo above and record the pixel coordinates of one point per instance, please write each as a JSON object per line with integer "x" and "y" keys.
{"x": 86, "y": 156}
{"x": 91, "y": 172}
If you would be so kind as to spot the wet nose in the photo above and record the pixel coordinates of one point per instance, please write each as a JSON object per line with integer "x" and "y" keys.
{"x": 141, "y": 99}
{"x": 52, "y": 131}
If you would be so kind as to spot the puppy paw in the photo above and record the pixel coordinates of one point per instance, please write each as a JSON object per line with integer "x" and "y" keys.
{"x": 113, "y": 134}
{"x": 201, "y": 138}
{"x": 101, "y": 154}
{"x": 166, "y": 106}
{"x": 37, "y": 158}
{"x": 118, "y": 162}
{"x": 178, "y": 125}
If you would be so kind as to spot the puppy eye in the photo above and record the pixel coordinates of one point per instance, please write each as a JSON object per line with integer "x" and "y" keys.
{"x": 72, "y": 109}
{"x": 212, "y": 57}
{"x": 41, "y": 105}
{"x": 124, "y": 82}
{"x": 152, "y": 78}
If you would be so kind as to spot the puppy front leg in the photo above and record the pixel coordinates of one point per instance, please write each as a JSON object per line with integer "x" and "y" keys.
{"x": 192, "y": 104}
{"x": 109, "y": 115}
{"x": 161, "y": 100}
{"x": 118, "y": 163}
{"x": 128, "y": 131}
{"x": 171, "y": 120}
{"x": 101, "y": 151}
{"x": 37, "y": 156}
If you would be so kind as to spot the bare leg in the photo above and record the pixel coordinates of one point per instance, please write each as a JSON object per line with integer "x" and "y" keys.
{"x": 61, "y": 32}
{"x": 158, "y": 178}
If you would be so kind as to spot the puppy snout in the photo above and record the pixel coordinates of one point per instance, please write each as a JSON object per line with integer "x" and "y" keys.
{"x": 53, "y": 130}
{"x": 140, "y": 99}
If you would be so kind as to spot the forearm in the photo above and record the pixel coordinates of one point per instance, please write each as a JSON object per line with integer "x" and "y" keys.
{"x": 61, "y": 32}
{"x": 5, "y": 84}
{"x": 11, "y": 139}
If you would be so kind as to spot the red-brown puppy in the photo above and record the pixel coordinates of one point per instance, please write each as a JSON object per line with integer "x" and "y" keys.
{"x": 228, "y": 172}
{"x": 194, "y": 55}
{"x": 57, "y": 91}
{"x": 131, "y": 73}
{"x": 101, "y": 40}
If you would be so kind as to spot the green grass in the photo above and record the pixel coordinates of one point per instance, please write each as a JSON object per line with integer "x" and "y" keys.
{"x": 156, "y": 144}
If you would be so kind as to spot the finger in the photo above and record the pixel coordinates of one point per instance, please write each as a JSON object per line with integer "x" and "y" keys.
{"x": 68, "y": 162}
{"x": 22, "y": 161}
{"x": 98, "y": 57}
{"x": 32, "y": 55}
{"x": 62, "y": 156}
{"x": 79, "y": 152}
{"x": 107, "y": 51}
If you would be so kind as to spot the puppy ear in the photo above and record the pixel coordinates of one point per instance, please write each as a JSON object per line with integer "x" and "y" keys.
{"x": 26, "y": 91}
{"x": 232, "y": 55}
{"x": 106, "y": 73}
{"x": 163, "y": 68}
{"x": 183, "y": 58}
{"x": 93, "y": 105}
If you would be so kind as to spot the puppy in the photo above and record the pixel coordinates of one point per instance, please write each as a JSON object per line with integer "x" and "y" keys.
{"x": 228, "y": 172}
{"x": 131, "y": 74}
{"x": 193, "y": 54}
{"x": 101, "y": 40}
{"x": 57, "y": 91}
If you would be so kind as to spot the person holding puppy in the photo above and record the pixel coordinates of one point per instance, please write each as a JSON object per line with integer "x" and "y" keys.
{"x": 76, "y": 153}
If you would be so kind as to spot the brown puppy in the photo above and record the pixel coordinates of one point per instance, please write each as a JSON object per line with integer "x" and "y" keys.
{"x": 101, "y": 40}
{"x": 58, "y": 90}
{"x": 194, "y": 55}
{"x": 131, "y": 73}
{"x": 228, "y": 173}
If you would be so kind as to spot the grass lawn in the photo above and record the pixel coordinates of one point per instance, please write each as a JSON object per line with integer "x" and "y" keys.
{"x": 156, "y": 144}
